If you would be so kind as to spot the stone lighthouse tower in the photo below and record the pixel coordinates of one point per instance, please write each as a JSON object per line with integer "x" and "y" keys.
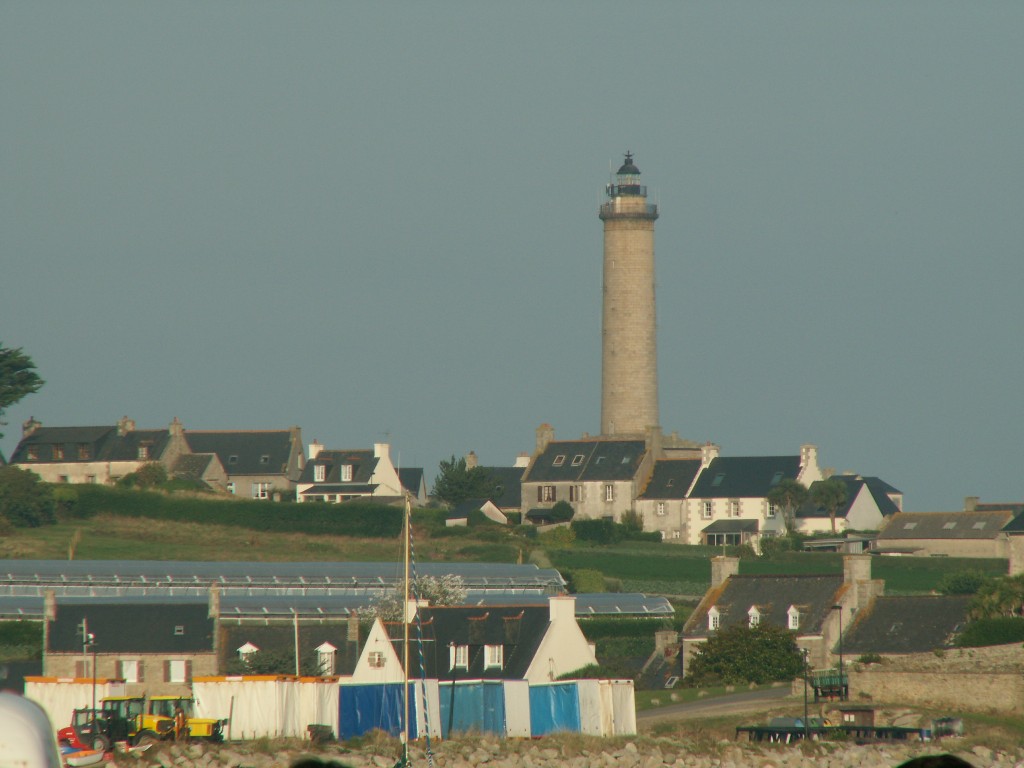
{"x": 629, "y": 359}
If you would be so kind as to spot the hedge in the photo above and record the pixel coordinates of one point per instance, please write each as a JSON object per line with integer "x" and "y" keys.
{"x": 355, "y": 519}
{"x": 992, "y": 632}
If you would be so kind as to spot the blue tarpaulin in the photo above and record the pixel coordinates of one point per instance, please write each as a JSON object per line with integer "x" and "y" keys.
{"x": 476, "y": 706}
{"x": 366, "y": 707}
{"x": 554, "y": 708}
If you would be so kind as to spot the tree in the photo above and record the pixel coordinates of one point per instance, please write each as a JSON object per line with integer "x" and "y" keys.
{"x": 456, "y": 482}
{"x": 17, "y": 378}
{"x": 789, "y": 495}
{"x": 25, "y": 501}
{"x": 744, "y": 654}
{"x": 830, "y": 495}
{"x": 443, "y": 590}
{"x": 999, "y": 598}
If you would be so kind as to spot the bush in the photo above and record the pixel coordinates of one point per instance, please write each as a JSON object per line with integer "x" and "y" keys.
{"x": 597, "y": 531}
{"x": 151, "y": 475}
{"x": 561, "y": 512}
{"x": 743, "y": 654}
{"x": 586, "y": 580}
{"x": 962, "y": 582}
{"x": 562, "y": 536}
{"x": 632, "y": 521}
{"x": 25, "y": 501}
{"x": 999, "y": 631}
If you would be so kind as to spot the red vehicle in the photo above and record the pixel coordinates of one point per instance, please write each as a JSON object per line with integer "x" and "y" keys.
{"x": 87, "y": 730}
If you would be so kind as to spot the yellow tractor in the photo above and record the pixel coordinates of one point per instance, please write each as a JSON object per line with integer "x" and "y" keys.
{"x": 126, "y": 720}
{"x": 205, "y": 728}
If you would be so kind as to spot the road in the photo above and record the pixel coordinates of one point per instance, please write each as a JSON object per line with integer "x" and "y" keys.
{"x": 738, "y": 703}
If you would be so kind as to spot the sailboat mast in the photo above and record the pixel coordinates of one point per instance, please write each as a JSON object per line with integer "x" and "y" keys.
{"x": 405, "y": 633}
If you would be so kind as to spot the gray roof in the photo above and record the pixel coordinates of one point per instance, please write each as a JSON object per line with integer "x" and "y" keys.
{"x": 192, "y": 466}
{"x": 878, "y": 489}
{"x": 246, "y": 453}
{"x": 671, "y": 479}
{"x": 507, "y": 490}
{"x": 138, "y": 627}
{"x": 907, "y": 624}
{"x": 733, "y": 525}
{"x": 943, "y": 525}
{"x": 103, "y": 443}
{"x": 744, "y": 476}
{"x": 586, "y": 460}
{"x": 362, "y": 462}
{"x": 813, "y": 596}
{"x": 411, "y": 479}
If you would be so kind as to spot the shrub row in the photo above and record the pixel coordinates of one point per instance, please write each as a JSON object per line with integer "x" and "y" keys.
{"x": 992, "y": 632}
{"x": 352, "y": 519}
{"x": 608, "y": 532}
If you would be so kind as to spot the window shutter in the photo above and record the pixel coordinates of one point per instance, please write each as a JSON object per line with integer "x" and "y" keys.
{"x": 142, "y": 677}
{"x": 167, "y": 671}
{"x": 79, "y": 669}
{"x": 540, "y": 493}
{"x": 119, "y": 670}
{"x": 188, "y": 671}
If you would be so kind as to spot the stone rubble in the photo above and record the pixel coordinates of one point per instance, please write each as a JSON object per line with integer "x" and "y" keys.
{"x": 564, "y": 752}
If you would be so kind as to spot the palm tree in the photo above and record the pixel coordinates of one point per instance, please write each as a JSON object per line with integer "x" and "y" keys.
{"x": 789, "y": 495}
{"x": 830, "y": 494}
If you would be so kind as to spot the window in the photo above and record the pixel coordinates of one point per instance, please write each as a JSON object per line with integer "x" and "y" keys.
{"x": 776, "y": 478}
{"x": 718, "y": 479}
{"x": 319, "y": 473}
{"x": 577, "y": 459}
{"x": 949, "y": 526}
{"x": 64, "y": 479}
{"x": 909, "y": 526}
{"x": 609, "y": 492}
{"x": 734, "y": 507}
{"x": 231, "y": 487}
{"x": 232, "y": 459}
{"x": 575, "y": 493}
{"x": 143, "y": 453}
{"x": 179, "y": 630}
{"x": 58, "y": 452}
{"x": 661, "y": 508}
{"x": 375, "y": 659}
{"x": 494, "y": 656}
{"x": 90, "y": 479}
{"x": 545, "y": 493}
{"x": 84, "y": 451}
{"x": 265, "y": 458}
{"x": 261, "y": 490}
{"x": 177, "y": 671}
{"x": 559, "y": 460}
{"x": 979, "y": 526}
{"x": 458, "y": 656}
{"x": 753, "y": 616}
{"x": 713, "y": 618}
{"x": 130, "y": 670}
{"x": 676, "y": 533}
{"x": 794, "y": 617}
{"x": 670, "y": 482}
{"x": 707, "y": 509}
{"x": 626, "y": 459}
{"x": 32, "y": 453}
{"x": 773, "y": 509}
{"x": 346, "y": 473}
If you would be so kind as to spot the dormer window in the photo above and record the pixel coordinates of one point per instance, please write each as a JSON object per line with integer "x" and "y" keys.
{"x": 346, "y": 473}
{"x": 84, "y": 451}
{"x": 753, "y": 616}
{"x": 793, "y": 616}
{"x": 247, "y": 650}
{"x": 494, "y": 656}
{"x": 58, "y": 452}
{"x": 143, "y": 452}
{"x": 179, "y": 630}
{"x": 319, "y": 473}
{"x": 325, "y": 658}
{"x": 559, "y": 460}
{"x": 32, "y": 453}
{"x": 458, "y": 656}
{"x": 713, "y": 618}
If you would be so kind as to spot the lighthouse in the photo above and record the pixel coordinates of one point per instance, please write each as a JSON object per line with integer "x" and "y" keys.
{"x": 629, "y": 359}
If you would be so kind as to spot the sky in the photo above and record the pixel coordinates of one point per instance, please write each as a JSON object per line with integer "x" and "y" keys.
{"x": 378, "y": 221}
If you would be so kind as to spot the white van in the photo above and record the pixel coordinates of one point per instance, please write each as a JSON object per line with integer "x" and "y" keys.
{"x": 27, "y": 738}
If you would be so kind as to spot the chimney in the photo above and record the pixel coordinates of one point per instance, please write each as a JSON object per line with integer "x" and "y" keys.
{"x": 708, "y": 453}
{"x": 382, "y": 451}
{"x": 30, "y": 426}
{"x": 562, "y": 608}
{"x": 353, "y": 628}
{"x": 522, "y": 460}
{"x": 652, "y": 440}
{"x": 808, "y": 456}
{"x": 545, "y": 434}
{"x": 124, "y": 426}
{"x": 176, "y": 429}
{"x": 50, "y": 605}
{"x": 314, "y": 449}
{"x": 971, "y": 503}
{"x": 471, "y": 460}
{"x": 722, "y": 568}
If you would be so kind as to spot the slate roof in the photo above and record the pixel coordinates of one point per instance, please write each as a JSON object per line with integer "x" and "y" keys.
{"x": 734, "y": 525}
{"x": 592, "y": 460}
{"x": 507, "y": 492}
{"x": 744, "y": 476}
{"x": 462, "y": 510}
{"x": 192, "y": 466}
{"x": 141, "y": 627}
{"x": 671, "y": 479}
{"x": 320, "y": 489}
{"x": 907, "y": 624}
{"x": 279, "y": 637}
{"x": 362, "y": 461}
{"x": 246, "y": 453}
{"x": 105, "y": 444}
{"x": 411, "y": 479}
{"x": 518, "y": 629}
{"x": 879, "y": 490}
{"x": 943, "y": 525}
{"x": 1016, "y": 525}
{"x": 813, "y": 596}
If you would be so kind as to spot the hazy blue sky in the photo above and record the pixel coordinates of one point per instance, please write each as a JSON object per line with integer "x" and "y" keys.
{"x": 381, "y": 219}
